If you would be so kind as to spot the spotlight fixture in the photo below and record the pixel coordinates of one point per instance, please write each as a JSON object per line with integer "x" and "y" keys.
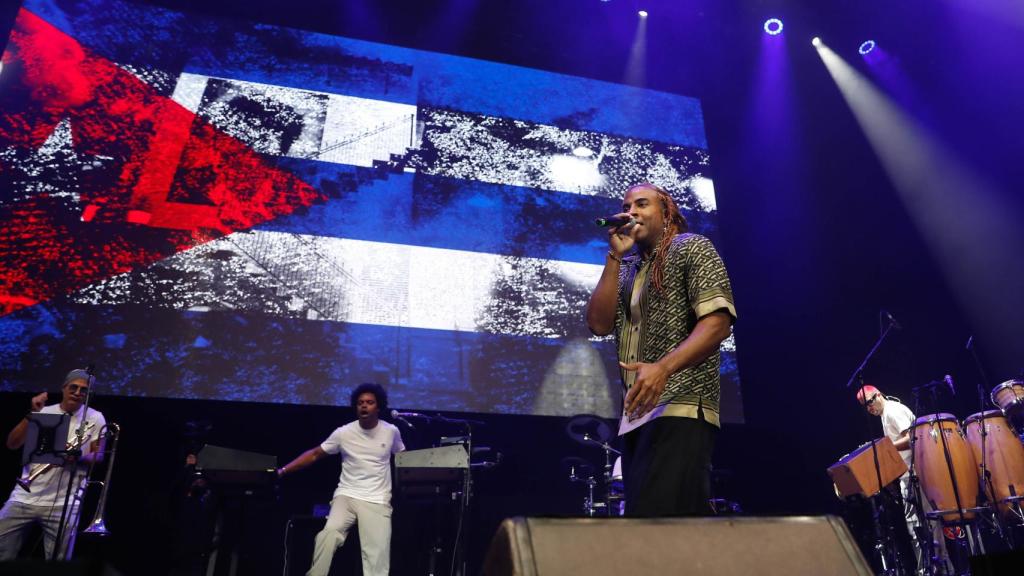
{"x": 816, "y": 41}
{"x": 866, "y": 47}
{"x": 642, "y": 13}
{"x": 773, "y": 26}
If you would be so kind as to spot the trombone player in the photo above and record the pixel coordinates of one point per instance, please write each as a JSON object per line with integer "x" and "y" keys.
{"x": 42, "y": 502}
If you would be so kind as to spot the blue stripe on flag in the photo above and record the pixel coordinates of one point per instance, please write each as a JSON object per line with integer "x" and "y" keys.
{"x": 178, "y": 42}
{"x": 450, "y": 213}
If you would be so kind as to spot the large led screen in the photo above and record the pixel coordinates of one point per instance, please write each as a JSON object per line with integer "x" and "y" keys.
{"x": 221, "y": 209}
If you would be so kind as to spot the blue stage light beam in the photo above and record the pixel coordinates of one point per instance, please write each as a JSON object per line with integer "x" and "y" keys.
{"x": 962, "y": 217}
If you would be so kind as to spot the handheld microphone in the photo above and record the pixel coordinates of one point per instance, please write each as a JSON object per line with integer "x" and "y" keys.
{"x": 949, "y": 382}
{"x": 614, "y": 220}
{"x": 891, "y": 320}
{"x": 397, "y": 416}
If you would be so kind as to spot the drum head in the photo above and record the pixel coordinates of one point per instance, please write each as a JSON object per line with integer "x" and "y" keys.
{"x": 929, "y": 418}
{"x": 1008, "y": 393}
{"x": 982, "y": 415}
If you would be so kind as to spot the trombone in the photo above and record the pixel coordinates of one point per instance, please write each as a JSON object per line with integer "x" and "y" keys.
{"x": 98, "y": 526}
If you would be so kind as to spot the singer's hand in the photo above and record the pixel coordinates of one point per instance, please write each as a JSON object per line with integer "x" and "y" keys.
{"x": 38, "y": 401}
{"x": 646, "y": 390}
{"x": 620, "y": 238}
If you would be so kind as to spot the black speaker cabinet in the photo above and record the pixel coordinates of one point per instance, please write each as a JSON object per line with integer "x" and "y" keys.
{"x": 36, "y": 567}
{"x": 1008, "y": 563}
{"x": 789, "y": 546}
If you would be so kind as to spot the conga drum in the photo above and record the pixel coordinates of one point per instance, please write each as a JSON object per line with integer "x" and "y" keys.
{"x": 1004, "y": 456}
{"x": 936, "y": 474}
{"x": 1009, "y": 397}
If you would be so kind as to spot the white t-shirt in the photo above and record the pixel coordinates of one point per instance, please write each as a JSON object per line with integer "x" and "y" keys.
{"x": 365, "y": 459}
{"x": 897, "y": 419}
{"x": 50, "y": 487}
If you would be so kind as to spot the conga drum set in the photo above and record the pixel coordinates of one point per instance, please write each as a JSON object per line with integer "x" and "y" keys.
{"x": 974, "y": 471}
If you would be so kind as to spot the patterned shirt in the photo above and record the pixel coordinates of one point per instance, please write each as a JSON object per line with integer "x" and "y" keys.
{"x": 649, "y": 324}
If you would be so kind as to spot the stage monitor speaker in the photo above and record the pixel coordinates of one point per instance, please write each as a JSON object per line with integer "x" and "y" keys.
{"x": 37, "y": 567}
{"x": 789, "y": 546}
{"x": 1007, "y": 563}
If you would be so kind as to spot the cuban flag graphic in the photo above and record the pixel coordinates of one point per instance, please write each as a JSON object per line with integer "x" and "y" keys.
{"x": 212, "y": 208}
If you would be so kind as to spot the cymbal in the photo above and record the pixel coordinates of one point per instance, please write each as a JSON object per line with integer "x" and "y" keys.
{"x": 587, "y": 428}
{"x": 577, "y": 465}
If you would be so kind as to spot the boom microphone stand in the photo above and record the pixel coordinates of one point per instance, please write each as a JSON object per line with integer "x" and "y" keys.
{"x": 883, "y": 541}
{"x": 989, "y": 490}
{"x": 459, "y": 557}
{"x": 929, "y": 557}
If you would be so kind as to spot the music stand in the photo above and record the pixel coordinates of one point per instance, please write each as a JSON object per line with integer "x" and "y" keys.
{"x": 46, "y": 439}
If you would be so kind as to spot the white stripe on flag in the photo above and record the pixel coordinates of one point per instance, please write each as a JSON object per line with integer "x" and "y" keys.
{"x": 327, "y": 278}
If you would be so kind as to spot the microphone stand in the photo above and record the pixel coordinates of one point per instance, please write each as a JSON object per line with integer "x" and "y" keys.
{"x": 608, "y": 451}
{"x": 59, "y": 547}
{"x": 949, "y": 466}
{"x": 988, "y": 489}
{"x": 882, "y": 540}
{"x": 459, "y": 560}
{"x": 981, "y": 370}
{"x": 925, "y": 541}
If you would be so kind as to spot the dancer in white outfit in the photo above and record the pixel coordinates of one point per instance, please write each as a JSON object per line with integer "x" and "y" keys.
{"x": 363, "y": 495}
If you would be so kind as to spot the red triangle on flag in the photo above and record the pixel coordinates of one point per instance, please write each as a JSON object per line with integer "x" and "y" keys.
{"x": 51, "y": 245}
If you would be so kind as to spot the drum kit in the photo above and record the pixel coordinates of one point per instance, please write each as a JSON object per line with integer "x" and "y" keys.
{"x": 604, "y": 492}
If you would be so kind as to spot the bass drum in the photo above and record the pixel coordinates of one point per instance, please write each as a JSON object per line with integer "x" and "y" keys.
{"x": 1004, "y": 456}
{"x": 1009, "y": 397}
{"x": 933, "y": 471}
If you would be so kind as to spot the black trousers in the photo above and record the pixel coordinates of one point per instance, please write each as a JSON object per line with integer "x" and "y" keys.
{"x": 666, "y": 466}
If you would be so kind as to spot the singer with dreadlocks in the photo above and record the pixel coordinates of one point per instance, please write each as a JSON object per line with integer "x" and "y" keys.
{"x": 665, "y": 294}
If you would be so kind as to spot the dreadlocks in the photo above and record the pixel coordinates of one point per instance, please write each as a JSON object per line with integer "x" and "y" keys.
{"x": 675, "y": 224}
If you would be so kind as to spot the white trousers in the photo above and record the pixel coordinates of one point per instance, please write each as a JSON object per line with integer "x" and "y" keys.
{"x": 16, "y": 519}
{"x": 374, "y": 522}
{"x": 938, "y": 541}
